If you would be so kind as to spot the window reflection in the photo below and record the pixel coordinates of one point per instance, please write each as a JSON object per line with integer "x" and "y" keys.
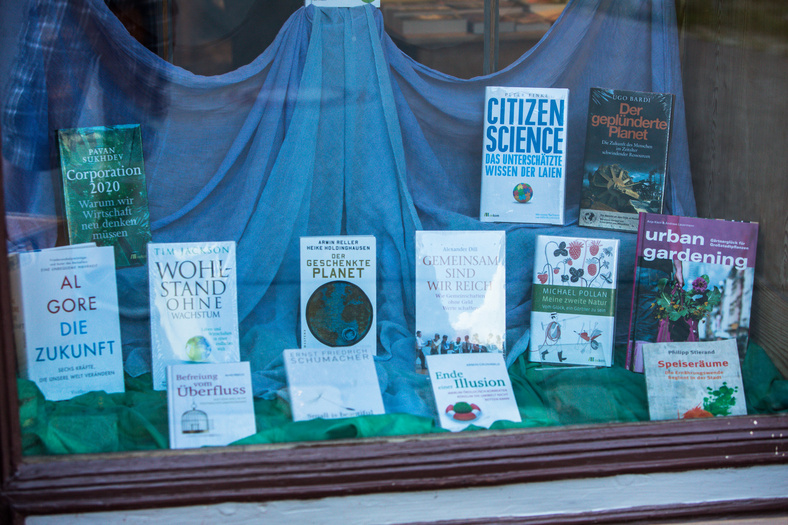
{"x": 212, "y": 37}
{"x": 448, "y": 35}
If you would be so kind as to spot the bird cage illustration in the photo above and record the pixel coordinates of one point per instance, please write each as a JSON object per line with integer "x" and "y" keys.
{"x": 194, "y": 421}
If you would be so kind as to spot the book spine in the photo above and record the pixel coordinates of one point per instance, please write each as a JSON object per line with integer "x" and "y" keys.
{"x": 18, "y": 314}
{"x": 629, "y": 364}
{"x": 173, "y": 424}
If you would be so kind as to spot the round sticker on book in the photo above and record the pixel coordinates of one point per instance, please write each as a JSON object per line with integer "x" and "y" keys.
{"x": 197, "y": 349}
{"x": 523, "y": 192}
{"x": 339, "y": 313}
{"x": 463, "y": 411}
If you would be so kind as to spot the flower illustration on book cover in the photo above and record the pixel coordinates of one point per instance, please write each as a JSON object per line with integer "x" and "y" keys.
{"x": 463, "y": 411}
{"x": 680, "y": 311}
{"x": 579, "y": 262}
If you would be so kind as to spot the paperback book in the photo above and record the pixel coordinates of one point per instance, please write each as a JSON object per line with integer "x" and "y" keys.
{"x": 460, "y": 292}
{"x": 574, "y": 300}
{"x": 694, "y": 380}
{"x": 332, "y": 383}
{"x": 193, "y": 305}
{"x": 209, "y": 404}
{"x": 524, "y": 157}
{"x": 338, "y": 291}
{"x": 693, "y": 282}
{"x": 106, "y": 200}
{"x": 65, "y": 318}
{"x": 471, "y": 389}
{"x": 626, "y": 157}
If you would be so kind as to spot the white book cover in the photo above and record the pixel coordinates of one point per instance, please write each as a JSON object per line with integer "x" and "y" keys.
{"x": 332, "y": 383}
{"x": 471, "y": 389}
{"x": 524, "y": 155}
{"x": 574, "y": 300}
{"x": 460, "y": 292}
{"x": 693, "y": 379}
{"x": 194, "y": 305}
{"x": 209, "y": 404}
{"x": 341, "y": 3}
{"x": 65, "y": 315}
{"x": 338, "y": 291}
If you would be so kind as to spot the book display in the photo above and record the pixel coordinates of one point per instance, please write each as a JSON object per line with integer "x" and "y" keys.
{"x": 338, "y": 291}
{"x": 693, "y": 380}
{"x": 333, "y": 242}
{"x": 523, "y": 173}
{"x": 104, "y": 189}
{"x": 332, "y": 383}
{"x": 574, "y": 300}
{"x": 193, "y": 303}
{"x": 66, "y": 327}
{"x": 626, "y": 157}
{"x": 693, "y": 282}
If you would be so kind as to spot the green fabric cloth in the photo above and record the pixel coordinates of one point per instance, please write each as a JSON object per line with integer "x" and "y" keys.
{"x": 546, "y": 395}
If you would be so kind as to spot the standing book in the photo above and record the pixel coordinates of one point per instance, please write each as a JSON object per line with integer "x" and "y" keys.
{"x": 524, "y": 155}
{"x": 332, "y": 383}
{"x": 461, "y": 291}
{"x": 194, "y": 305}
{"x": 66, "y": 324}
{"x": 338, "y": 291}
{"x": 693, "y": 380}
{"x": 693, "y": 282}
{"x": 626, "y": 157}
{"x": 574, "y": 300}
{"x": 471, "y": 389}
{"x": 106, "y": 200}
{"x": 209, "y": 404}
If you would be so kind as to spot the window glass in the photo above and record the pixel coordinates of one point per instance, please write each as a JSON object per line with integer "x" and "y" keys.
{"x": 272, "y": 180}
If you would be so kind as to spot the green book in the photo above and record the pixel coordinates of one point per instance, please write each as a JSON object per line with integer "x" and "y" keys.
{"x": 104, "y": 190}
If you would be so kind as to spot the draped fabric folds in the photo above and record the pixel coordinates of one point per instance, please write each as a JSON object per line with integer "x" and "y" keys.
{"x": 332, "y": 130}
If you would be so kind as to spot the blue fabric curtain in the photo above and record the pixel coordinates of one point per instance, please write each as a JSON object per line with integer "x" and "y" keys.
{"x": 332, "y": 130}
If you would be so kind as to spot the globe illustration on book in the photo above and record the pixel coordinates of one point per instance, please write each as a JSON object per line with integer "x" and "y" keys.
{"x": 339, "y": 313}
{"x": 197, "y": 348}
{"x": 523, "y": 192}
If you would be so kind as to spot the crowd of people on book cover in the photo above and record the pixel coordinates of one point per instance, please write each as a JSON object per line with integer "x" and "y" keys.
{"x": 438, "y": 345}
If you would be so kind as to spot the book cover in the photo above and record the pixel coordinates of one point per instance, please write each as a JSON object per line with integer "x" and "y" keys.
{"x": 460, "y": 292}
{"x": 332, "y": 383}
{"x": 209, "y": 404}
{"x": 693, "y": 380}
{"x": 65, "y": 320}
{"x": 471, "y": 389}
{"x": 524, "y": 157}
{"x": 693, "y": 282}
{"x": 106, "y": 200}
{"x": 193, "y": 305}
{"x": 574, "y": 300}
{"x": 626, "y": 157}
{"x": 338, "y": 291}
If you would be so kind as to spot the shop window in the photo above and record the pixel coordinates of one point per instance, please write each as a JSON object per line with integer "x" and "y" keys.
{"x": 260, "y": 126}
